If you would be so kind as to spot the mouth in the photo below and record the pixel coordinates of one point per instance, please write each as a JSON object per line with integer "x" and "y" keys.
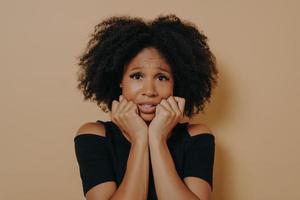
{"x": 147, "y": 108}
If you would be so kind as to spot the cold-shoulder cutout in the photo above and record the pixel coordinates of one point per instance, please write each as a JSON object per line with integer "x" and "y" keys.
{"x": 92, "y": 128}
{"x": 195, "y": 130}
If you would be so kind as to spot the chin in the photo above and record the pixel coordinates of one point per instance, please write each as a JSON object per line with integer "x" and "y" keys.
{"x": 147, "y": 117}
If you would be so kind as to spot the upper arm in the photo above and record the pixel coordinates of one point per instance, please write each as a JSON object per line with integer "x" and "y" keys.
{"x": 198, "y": 186}
{"x": 106, "y": 189}
{"x": 91, "y": 127}
{"x": 196, "y": 129}
{"x": 103, "y": 191}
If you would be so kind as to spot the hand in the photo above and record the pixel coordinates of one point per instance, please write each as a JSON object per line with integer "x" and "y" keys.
{"x": 125, "y": 115}
{"x": 168, "y": 113}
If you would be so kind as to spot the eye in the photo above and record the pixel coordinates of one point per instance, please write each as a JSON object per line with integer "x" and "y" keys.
{"x": 163, "y": 77}
{"x": 135, "y": 75}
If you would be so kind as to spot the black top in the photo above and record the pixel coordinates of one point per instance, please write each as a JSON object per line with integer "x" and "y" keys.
{"x": 104, "y": 158}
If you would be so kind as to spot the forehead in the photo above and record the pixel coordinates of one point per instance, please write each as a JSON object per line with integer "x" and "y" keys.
{"x": 148, "y": 58}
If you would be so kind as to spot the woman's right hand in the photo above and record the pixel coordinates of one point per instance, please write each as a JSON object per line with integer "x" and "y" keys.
{"x": 125, "y": 115}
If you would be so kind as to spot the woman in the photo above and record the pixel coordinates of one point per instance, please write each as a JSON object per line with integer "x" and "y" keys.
{"x": 149, "y": 75}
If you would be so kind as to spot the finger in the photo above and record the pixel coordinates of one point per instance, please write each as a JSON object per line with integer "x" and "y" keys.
{"x": 181, "y": 103}
{"x": 134, "y": 108}
{"x": 174, "y": 105}
{"x": 167, "y": 106}
{"x": 159, "y": 108}
{"x": 114, "y": 106}
{"x": 128, "y": 106}
{"x": 122, "y": 104}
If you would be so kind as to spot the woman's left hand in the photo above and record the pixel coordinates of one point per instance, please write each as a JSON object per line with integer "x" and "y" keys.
{"x": 168, "y": 113}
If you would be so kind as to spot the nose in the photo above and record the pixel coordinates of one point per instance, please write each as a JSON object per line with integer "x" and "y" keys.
{"x": 149, "y": 89}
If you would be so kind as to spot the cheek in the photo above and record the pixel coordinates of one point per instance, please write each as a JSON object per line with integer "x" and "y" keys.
{"x": 130, "y": 90}
{"x": 167, "y": 91}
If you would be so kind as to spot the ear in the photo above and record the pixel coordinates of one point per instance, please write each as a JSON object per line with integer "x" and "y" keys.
{"x": 120, "y": 85}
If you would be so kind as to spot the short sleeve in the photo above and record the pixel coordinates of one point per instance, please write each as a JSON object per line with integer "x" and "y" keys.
{"x": 94, "y": 160}
{"x": 199, "y": 157}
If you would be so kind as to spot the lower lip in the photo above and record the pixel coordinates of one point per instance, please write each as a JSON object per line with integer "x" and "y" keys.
{"x": 147, "y": 109}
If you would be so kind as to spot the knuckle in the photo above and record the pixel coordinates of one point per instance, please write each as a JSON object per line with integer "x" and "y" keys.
{"x": 173, "y": 114}
{"x": 114, "y": 117}
{"x": 114, "y": 102}
{"x": 121, "y": 115}
{"x": 131, "y": 109}
{"x": 166, "y": 114}
{"x": 127, "y": 114}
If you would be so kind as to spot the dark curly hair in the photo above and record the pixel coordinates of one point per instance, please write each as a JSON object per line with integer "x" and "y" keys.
{"x": 116, "y": 40}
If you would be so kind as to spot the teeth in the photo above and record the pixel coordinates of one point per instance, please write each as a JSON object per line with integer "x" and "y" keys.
{"x": 147, "y": 105}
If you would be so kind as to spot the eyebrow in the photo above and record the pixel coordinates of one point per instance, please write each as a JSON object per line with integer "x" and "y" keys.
{"x": 162, "y": 69}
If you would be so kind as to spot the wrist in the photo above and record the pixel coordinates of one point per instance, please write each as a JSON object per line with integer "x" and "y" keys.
{"x": 157, "y": 140}
{"x": 140, "y": 141}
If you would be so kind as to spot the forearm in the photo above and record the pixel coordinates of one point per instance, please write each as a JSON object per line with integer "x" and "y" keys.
{"x": 135, "y": 182}
{"x": 168, "y": 184}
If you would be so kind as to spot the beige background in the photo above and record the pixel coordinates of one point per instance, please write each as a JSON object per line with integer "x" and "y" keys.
{"x": 254, "y": 112}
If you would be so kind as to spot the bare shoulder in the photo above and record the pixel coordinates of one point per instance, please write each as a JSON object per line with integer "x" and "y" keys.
{"x": 91, "y": 128}
{"x": 200, "y": 128}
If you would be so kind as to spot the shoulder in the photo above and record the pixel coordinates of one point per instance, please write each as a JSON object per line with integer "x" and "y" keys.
{"x": 196, "y": 129}
{"x": 91, "y": 128}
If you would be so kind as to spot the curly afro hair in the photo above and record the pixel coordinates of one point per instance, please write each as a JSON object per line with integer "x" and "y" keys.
{"x": 116, "y": 40}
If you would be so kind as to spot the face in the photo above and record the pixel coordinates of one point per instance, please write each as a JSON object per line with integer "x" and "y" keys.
{"x": 147, "y": 79}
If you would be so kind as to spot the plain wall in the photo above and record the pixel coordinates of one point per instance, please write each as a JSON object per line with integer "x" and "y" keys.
{"x": 254, "y": 111}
